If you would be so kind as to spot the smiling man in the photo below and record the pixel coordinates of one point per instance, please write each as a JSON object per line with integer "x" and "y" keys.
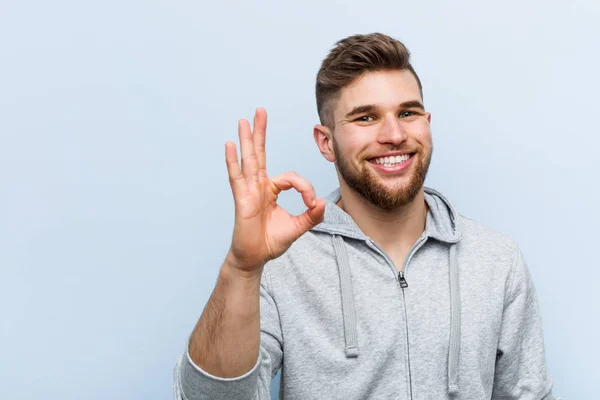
{"x": 382, "y": 290}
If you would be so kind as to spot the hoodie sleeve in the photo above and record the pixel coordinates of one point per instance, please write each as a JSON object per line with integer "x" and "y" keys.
{"x": 192, "y": 383}
{"x": 521, "y": 371}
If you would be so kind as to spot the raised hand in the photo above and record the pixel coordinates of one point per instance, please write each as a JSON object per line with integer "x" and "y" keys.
{"x": 263, "y": 230}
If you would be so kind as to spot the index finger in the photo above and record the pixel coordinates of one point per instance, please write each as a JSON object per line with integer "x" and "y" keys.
{"x": 290, "y": 180}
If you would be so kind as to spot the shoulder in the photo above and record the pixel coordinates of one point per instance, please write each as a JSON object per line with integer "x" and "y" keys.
{"x": 490, "y": 258}
{"x": 311, "y": 246}
{"x": 306, "y": 256}
{"x": 479, "y": 239}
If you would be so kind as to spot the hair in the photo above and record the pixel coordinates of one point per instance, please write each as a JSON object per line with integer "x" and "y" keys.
{"x": 352, "y": 57}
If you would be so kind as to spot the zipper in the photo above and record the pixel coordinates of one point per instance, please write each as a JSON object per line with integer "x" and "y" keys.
{"x": 403, "y": 285}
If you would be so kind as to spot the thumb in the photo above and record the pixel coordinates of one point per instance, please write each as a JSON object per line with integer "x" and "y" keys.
{"x": 311, "y": 217}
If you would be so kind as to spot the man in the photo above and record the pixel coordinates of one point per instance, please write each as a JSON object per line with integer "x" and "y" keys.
{"x": 379, "y": 291}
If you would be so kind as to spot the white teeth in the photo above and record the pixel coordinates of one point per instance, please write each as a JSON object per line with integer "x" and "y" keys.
{"x": 391, "y": 161}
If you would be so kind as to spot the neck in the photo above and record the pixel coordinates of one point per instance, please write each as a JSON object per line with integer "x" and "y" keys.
{"x": 395, "y": 231}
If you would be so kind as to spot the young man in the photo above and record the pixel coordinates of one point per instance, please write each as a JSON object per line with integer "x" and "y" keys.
{"x": 379, "y": 291}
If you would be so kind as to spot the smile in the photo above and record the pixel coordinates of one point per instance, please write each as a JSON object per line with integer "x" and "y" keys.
{"x": 391, "y": 161}
{"x": 392, "y": 164}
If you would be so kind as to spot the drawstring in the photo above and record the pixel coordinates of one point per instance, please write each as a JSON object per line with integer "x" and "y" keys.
{"x": 454, "y": 347}
{"x": 348, "y": 310}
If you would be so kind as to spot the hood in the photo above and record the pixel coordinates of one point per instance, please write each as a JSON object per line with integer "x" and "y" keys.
{"x": 441, "y": 223}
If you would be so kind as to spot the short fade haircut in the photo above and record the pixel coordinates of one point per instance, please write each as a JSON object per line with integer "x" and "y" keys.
{"x": 352, "y": 57}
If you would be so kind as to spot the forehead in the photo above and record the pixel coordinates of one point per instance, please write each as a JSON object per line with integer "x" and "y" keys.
{"x": 381, "y": 88}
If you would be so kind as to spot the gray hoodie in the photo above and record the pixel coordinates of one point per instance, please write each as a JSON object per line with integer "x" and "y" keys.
{"x": 461, "y": 322}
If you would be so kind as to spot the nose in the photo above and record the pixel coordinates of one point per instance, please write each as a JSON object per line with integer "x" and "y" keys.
{"x": 392, "y": 131}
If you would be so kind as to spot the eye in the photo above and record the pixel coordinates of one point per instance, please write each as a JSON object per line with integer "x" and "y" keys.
{"x": 365, "y": 118}
{"x": 405, "y": 114}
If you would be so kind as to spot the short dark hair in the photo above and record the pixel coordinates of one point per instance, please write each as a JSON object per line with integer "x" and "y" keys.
{"x": 350, "y": 58}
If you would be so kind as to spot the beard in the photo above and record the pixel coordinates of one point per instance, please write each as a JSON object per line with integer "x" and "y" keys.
{"x": 370, "y": 186}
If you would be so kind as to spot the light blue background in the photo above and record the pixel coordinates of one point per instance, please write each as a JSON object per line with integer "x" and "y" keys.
{"x": 115, "y": 209}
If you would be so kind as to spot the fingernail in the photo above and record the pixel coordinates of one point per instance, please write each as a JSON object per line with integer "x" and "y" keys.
{"x": 314, "y": 203}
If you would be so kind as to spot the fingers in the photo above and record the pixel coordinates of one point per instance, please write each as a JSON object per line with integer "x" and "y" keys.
{"x": 259, "y": 136}
{"x": 249, "y": 162}
{"x": 311, "y": 217}
{"x": 236, "y": 178}
{"x": 316, "y": 207}
{"x": 290, "y": 180}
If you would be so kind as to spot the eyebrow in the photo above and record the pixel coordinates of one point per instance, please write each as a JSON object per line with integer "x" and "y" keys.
{"x": 370, "y": 107}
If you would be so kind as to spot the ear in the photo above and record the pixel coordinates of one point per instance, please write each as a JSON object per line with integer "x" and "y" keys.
{"x": 428, "y": 117}
{"x": 324, "y": 140}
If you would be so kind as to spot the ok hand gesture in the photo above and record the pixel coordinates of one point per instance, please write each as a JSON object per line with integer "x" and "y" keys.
{"x": 263, "y": 230}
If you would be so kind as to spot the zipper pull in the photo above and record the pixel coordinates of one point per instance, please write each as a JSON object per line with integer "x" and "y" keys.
{"x": 403, "y": 283}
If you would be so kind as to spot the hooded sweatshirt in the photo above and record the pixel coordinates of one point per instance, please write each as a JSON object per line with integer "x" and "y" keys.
{"x": 461, "y": 321}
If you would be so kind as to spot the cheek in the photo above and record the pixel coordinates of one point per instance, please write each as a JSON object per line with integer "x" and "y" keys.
{"x": 422, "y": 134}
{"x": 352, "y": 144}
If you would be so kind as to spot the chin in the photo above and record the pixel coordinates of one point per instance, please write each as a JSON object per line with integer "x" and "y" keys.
{"x": 386, "y": 192}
